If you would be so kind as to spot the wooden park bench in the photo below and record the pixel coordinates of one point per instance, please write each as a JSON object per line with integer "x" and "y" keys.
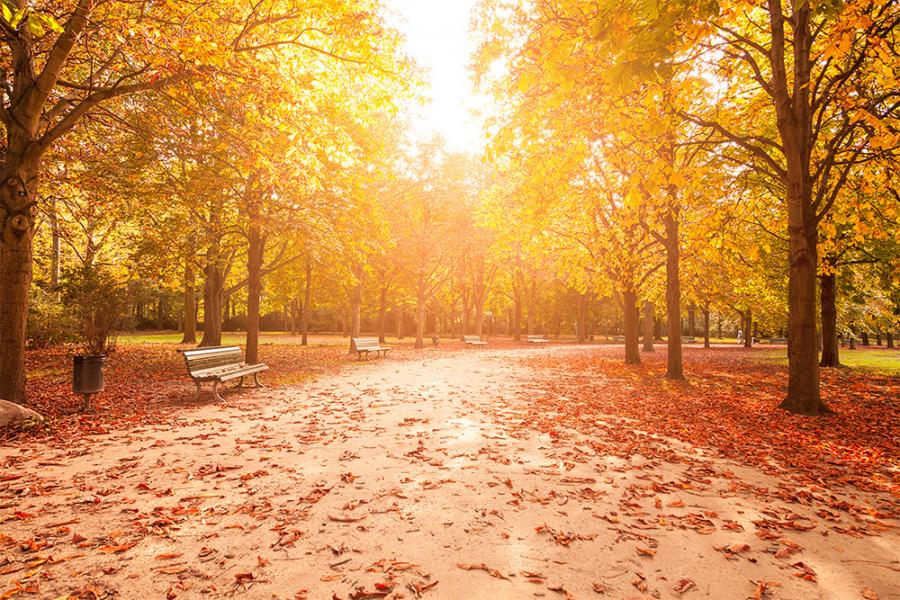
{"x": 536, "y": 339}
{"x": 220, "y": 364}
{"x": 776, "y": 341}
{"x": 618, "y": 338}
{"x": 688, "y": 339}
{"x": 473, "y": 340}
{"x": 365, "y": 346}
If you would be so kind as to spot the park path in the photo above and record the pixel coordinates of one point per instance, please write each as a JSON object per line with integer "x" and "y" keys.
{"x": 410, "y": 478}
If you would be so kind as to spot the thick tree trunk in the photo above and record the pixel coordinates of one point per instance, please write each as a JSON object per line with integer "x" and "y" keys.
{"x": 307, "y": 294}
{"x": 865, "y": 338}
{"x": 213, "y": 298}
{"x": 18, "y": 185}
{"x": 648, "y": 326}
{"x": 890, "y": 339}
{"x": 706, "y": 327}
{"x": 828, "y": 298}
{"x": 255, "y": 255}
{"x": 632, "y": 354}
{"x": 674, "y": 366}
{"x": 189, "y": 310}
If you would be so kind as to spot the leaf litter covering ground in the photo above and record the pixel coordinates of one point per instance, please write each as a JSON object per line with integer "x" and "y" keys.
{"x": 450, "y": 477}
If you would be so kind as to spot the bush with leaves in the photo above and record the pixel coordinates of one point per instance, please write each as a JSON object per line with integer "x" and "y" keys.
{"x": 99, "y": 303}
{"x": 49, "y": 321}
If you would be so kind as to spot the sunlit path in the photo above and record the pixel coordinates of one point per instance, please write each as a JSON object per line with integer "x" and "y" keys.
{"x": 416, "y": 475}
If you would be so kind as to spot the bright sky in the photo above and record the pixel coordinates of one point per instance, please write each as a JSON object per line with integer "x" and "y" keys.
{"x": 437, "y": 37}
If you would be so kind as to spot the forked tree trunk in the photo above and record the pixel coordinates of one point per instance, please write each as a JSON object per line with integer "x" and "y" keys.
{"x": 632, "y": 354}
{"x": 18, "y": 185}
{"x": 307, "y": 294}
{"x": 189, "y": 311}
{"x": 255, "y": 254}
{"x": 213, "y": 298}
{"x": 648, "y": 326}
{"x": 828, "y": 298}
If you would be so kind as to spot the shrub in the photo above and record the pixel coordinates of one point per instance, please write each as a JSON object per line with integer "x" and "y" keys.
{"x": 49, "y": 322}
{"x": 99, "y": 303}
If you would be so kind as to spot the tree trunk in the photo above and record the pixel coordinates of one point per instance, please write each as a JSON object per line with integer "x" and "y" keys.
{"x": 255, "y": 255}
{"x": 692, "y": 313}
{"x": 355, "y": 303}
{"x": 828, "y": 297}
{"x": 382, "y": 314}
{"x": 189, "y": 309}
{"x": 748, "y": 327}
{"x": 307, "y": 293}
{"x": 420, "y": 315}
{"x": 213, "y": 298}
{"x": 18, "y": 185}
{"x": 648, "y": 326}
{"x": 706, "y": 327}
{"x": 632, "y": 354}
{"x": 399, "y": 312}
{"x": 890, "y": 339}
{"x": 865, "y": 338}
{"x": 517, "y": 313}
{"x": 674, "y": 365}
{"x": 55, "y": 250}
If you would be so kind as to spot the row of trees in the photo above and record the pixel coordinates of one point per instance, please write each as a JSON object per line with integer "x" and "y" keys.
{"x": 218, "y": 159}
{"x": 737, "y": 146}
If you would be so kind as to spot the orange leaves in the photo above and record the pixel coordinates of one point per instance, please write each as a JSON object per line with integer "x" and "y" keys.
{"x": 561, "y": 537}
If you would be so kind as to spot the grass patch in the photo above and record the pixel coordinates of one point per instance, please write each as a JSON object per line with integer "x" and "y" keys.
{"x": 876, "y": 360}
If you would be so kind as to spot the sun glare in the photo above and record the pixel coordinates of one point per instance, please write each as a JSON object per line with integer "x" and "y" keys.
{"x": 438, "y": 39}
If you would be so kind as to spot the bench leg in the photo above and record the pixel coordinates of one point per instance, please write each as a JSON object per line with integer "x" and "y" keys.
{"x": 256, "y": 380}
{"x": 197, "y": 391}
{"x": 216, "y": 391}
{"x": 240, "y": 383}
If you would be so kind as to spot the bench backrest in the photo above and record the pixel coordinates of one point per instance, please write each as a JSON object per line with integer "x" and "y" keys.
{"x": 210, "y": 358}
{"x": 471, "y": 338}
{"x": 364, "y": 343}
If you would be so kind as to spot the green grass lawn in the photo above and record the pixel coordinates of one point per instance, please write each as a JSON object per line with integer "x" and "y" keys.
{"x": 876, "y": 360}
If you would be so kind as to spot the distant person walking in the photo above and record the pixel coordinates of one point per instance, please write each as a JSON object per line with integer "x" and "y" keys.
{"x": 740, "y": 336}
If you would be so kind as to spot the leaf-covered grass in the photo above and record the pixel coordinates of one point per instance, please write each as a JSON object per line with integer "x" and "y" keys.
{"x": 881, "y": 361}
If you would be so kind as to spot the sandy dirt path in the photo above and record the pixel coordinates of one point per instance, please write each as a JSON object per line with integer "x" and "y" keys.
{"x": 410, "y": 479}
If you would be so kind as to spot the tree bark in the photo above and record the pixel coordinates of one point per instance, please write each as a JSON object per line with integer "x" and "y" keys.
{"x": 632, "y": 354}
{"x": 355, "y": 303}
{"x": 748, "y": 329}
{"x": 55, "y": 250}
{"x": 420, "y": 315}
{"x": 674, "y": 365}
{"x": 307, "y": 294}
{"x": 18, "y": 209}
{"x": 382, "y": 314}
{"x": 706, "y": 327}
{"x": 255, "y": 255}
{"x": 189, "y": 310}
{"x": 648, "y": 326}
{"x": 517, "y": 313}
{"x": 890, "y": 339}
{"x": 828, "y": 298}
{"x": 213, "y": 297}
{"x": 692, "y": 313}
